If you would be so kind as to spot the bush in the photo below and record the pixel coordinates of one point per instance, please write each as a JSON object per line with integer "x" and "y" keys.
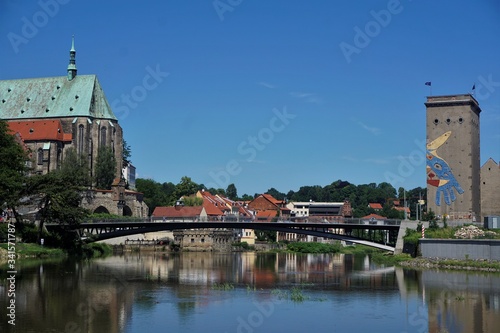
{"x": 243, "y": 245}
{"x": 3, "y": 233}
{"x": 312, "y": 247}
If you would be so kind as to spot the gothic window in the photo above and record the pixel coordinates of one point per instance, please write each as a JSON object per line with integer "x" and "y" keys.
{"x": 80, "y": 140}
{"x": 40, "y": 156}
{"x": 103, "y": 137}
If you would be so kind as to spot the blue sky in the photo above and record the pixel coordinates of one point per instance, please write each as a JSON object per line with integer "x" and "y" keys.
{"x": 269, "y": 93}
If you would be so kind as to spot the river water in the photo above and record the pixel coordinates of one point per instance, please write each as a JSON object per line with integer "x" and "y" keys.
{"x": 246, "y": 293}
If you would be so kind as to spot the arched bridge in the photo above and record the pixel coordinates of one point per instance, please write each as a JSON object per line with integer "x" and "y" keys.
{"x": 107, "y": 230}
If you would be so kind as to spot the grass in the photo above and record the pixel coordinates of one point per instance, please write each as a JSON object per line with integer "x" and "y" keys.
{"x": 295, "y": 294}
{"x": 469, "y": 263}
{"x": 35, "y": 250}
{"x": 358, "y": 249}
{"x": 223, "y": 286}
{"x": 388, "y": 258}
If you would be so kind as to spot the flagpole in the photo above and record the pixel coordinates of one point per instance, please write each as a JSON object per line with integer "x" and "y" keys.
{"x": 429, "y": 83}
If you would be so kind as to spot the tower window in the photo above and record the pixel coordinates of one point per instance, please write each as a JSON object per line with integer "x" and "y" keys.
{"x": 103, "y": 136}
{"x": 40, "y": 156}
{"x": 436, "y": 121}
{"x": 460, "y": 120}
{"x": 80, "y": 140}
{"x": 448, "y": 121}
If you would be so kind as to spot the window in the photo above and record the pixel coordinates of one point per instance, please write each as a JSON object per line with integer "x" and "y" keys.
{"x": 40, "y": 156}
{"x": 80, "y": 140}
{"x": 103, "y": 137}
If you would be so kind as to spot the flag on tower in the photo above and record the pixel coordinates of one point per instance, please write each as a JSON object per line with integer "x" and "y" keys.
{"x": 474, "y": 87}
{"x": 428, "y": 83}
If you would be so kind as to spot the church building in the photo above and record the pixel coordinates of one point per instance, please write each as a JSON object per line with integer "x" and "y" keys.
{"x": 53, "y": 114}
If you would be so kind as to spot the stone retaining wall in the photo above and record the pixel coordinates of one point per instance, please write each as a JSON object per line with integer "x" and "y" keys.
{"x": 460, "y": 249}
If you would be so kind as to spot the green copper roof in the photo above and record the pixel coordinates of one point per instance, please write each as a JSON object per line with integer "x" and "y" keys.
{"x": 54, "y": 97}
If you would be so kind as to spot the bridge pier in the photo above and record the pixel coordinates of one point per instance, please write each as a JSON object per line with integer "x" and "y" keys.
{"x": 406, "y": 224}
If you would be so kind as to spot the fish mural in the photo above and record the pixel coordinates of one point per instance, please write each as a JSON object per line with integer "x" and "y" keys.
{"x": 439, "y": 173}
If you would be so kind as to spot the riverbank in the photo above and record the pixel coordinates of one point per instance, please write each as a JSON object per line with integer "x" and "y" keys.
{"x": 452, "y": 264}
{"x": 32, "y": 250}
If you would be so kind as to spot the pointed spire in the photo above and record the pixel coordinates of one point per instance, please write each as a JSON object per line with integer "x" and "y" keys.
{"x": 72, "y": 61}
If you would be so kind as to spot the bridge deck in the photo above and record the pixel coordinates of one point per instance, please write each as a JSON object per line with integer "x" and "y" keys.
{"x": 107, "y": 230}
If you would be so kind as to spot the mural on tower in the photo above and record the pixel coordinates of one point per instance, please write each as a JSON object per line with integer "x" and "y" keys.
{"x": 439, "y": 173}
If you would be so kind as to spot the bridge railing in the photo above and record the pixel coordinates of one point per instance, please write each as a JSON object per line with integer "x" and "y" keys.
{"x": 317, "y": 219}
{"x": 311, "y": 219}
{"x": 121, "y": 220}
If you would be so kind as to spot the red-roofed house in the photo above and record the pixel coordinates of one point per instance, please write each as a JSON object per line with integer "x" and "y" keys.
{"x": 46, "y": 139}
{"x": 403, "y": 209}
{"x": 179, "y": 213}
{"x": 226, "y": 209}
{"x": 266, "y": 202}
{"x": 373, "y": 219}
{"x": 375, "y": 205}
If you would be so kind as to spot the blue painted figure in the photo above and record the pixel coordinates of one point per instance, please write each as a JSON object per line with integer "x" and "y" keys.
{"x": 439, "y": 173}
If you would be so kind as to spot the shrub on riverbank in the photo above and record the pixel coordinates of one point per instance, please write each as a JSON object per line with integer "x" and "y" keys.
{"x": 94, "y": 250}
{"x": 412, "y": 236}
{"x": 243, "y": 245}
{"x": 312, "y": 247}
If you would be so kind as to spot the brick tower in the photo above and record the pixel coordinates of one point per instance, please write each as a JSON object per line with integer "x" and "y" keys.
{"x": 453, "y": 161}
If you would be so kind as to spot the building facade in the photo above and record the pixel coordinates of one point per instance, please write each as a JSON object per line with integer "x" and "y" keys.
{"x": 490, "y": 188}
{"x": 453, "y": 157}
{"x": 54, "y": 114}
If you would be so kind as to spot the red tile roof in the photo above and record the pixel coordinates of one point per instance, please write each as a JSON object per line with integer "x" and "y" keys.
{"x": 375, "y": 205}
{"x": 374, "y": 216}
{"x": 177, "y": 211}
{"x": 272, "y": 199}
{"x": 402, "y": 209}
{"x": 266, "y": 215}
{"x": 211, "y": 208}
{"x": 36, "y": 130}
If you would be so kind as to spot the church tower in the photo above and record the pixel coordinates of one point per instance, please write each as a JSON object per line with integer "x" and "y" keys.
{"x": 453, "y": 157}
{"x": 72, "y": 61}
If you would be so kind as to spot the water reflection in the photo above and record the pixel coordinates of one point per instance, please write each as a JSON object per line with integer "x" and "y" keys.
{"x": 148, "y": 292}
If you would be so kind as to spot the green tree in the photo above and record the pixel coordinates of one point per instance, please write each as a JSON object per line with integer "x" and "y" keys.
{"x": 105, "y": 168}
{"x": 13, "y": 168}
{"x": 154, "y": 194}
{"x": 231, "y": 192}
{"x": 276, "y": 194}
{"x": 265, "y": 235}
{"x": 192, "y": 201}
{"x": 185, "y": 187}
{"x": 168, "y": 189}
{"x": 247, "y": 197}
{"x": 127, "y": 154}
{"x": 77, "y": 166}
{"x": 59, "y": 193}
